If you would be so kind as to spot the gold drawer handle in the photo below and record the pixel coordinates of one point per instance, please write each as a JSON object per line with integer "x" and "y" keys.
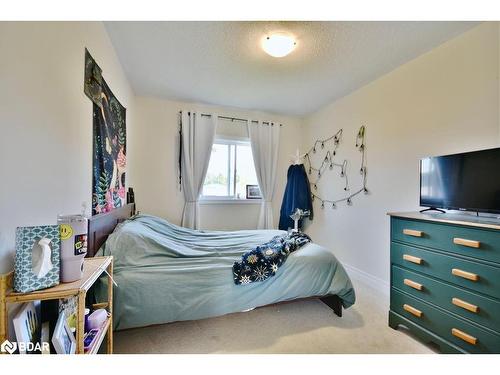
{"x": 468, "y": 243}
{"x": 464, "y": 336}
{"x": 412, "y": 232}
{"x": 465, "y": 305}
{"x": 413, "y": 284}
{"x": 413, "y": 310}
{"x": 411, "y": 258}
{"x": 466, "y": 275}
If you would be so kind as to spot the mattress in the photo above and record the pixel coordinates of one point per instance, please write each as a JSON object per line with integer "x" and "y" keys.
{"x": 167, "y": 273}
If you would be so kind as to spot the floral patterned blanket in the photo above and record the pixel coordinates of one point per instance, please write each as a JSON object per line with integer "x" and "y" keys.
{"x": 264, "y": 261}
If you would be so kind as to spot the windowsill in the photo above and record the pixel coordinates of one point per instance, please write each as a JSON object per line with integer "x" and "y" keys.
{"x": 208, "y": 201}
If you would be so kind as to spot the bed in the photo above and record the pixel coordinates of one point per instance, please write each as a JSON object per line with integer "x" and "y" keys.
{"x": 167, "y": 273}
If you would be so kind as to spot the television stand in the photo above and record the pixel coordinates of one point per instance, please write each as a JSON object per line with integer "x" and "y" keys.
{"x": 433, "y": 209}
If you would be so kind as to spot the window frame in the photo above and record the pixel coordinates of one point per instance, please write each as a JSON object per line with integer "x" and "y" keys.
{"x": 214, "y": 199}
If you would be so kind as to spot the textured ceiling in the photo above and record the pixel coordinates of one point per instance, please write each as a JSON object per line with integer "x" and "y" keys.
{"x": 222, "y": 63}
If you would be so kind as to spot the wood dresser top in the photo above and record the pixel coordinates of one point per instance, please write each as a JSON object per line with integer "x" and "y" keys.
{"x": 452, "y": 218}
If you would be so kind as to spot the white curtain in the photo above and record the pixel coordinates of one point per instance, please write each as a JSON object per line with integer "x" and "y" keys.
{"x": 198, "y": 134}
{"x": 265, "y": 139}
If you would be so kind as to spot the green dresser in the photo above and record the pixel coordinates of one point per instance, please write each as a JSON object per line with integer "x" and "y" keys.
{"x": 445, "y": 280}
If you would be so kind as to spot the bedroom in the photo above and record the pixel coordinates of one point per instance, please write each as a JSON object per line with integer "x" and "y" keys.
{"x": 214, "y": 133}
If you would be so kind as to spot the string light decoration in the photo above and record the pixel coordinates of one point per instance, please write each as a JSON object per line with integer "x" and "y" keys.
{"x": 329, "y": 163}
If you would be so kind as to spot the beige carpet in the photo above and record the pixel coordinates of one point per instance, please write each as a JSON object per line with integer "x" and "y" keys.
{"x": 296, "y": 327}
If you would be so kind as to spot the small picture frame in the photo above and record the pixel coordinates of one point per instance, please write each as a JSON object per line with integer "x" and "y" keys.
{"x": 27, "y": 325}
{"x": 253, "y": 192}
{"x": 63, "y": 339}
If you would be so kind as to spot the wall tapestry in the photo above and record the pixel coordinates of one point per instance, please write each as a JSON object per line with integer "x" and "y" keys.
{"x": 109, "y": 142}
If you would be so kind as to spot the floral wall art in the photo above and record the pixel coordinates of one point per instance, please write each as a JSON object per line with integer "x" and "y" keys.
{"x": 109, "y": 141}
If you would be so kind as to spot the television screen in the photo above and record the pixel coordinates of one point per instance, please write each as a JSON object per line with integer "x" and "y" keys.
{"x": 468, "y": 181}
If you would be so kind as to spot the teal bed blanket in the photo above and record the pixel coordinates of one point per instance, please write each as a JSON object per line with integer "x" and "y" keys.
{"x": 167, "y": 273}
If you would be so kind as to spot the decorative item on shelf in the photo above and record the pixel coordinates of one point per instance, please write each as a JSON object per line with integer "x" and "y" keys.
{"x": 296, "y": 216}
{"x": 97, "y": 319}
{"x": 45, "y": 338}
{"x": 73, "y": 246}
{"x": 69, "y": 307}
{"x": 253, "y": 192}
{"x": 37, "y": 258}
{"x": 329, "y": 163}
{"x": 130, "y": 196}
{"x": 63, "y": 339}
{"x": 27, "y": 326}
{"x": 86, "y": 322}
{"x": 89, "y": 339}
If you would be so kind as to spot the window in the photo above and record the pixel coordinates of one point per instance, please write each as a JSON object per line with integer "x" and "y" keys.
{"x": 230, "y": 170}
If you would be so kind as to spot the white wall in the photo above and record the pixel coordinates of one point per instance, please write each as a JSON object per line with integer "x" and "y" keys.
{"x": 445, "y": 101}
{"x": 153, "y": 155}
{"x": 46, "y": 121}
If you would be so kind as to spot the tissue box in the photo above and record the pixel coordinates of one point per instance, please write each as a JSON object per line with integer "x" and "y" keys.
{"x": 32, "y": 257}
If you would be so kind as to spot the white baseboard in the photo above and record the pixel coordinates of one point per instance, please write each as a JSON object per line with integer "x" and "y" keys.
{"x": 374, "y": 282}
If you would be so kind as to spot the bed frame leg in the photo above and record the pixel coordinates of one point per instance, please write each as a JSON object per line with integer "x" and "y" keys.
{"x": 334, "y": 303}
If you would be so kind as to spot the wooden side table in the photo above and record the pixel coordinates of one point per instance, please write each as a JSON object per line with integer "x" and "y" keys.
{"x": 93, "y": 268}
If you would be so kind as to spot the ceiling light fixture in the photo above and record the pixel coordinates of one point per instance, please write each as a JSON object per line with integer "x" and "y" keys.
{"x": 278, "y": 45}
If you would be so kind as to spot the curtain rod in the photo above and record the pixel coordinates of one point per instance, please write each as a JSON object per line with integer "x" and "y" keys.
{"x": 233, "y": 118}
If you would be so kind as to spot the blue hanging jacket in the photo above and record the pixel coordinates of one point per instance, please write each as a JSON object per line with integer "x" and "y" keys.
{"x": 297, "y": 195}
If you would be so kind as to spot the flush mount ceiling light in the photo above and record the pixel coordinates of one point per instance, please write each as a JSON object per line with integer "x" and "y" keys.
{"x": 278, "y": 45}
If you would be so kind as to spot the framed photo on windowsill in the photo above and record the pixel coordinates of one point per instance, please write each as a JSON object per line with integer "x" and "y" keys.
{"x": 253, "y": 192}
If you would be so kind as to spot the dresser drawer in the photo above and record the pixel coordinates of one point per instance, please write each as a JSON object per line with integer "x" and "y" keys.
{"x": 470, "y": 242}
{"x": 479, "y": 309}
{"x": 469, "y": 274}
{"x": 457, "y": 331}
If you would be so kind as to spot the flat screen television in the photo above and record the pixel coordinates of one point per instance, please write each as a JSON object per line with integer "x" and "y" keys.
{"x": 469, "y": 181}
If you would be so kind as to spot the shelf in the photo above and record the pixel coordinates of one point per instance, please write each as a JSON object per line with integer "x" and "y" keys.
{"x": 92, "y": 269}
{"x": 100, "y": 337}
